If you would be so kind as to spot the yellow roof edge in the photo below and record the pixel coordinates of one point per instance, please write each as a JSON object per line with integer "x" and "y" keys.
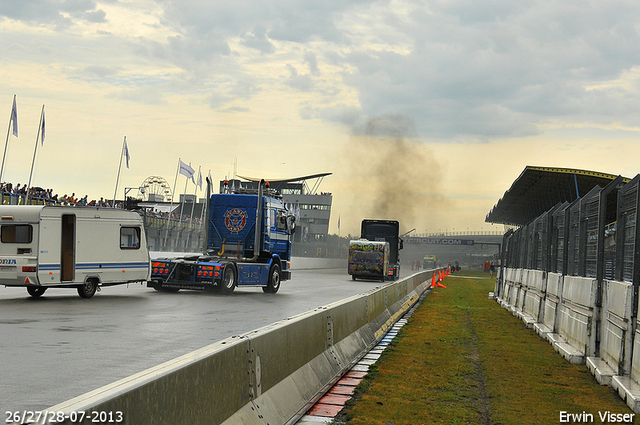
{"x": 577, "y": 171}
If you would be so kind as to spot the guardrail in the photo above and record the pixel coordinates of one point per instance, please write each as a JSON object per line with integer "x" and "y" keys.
{"x": 270, "y": 375}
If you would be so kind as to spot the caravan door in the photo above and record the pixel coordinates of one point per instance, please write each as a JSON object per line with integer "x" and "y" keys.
{"x": 68, "y": 248}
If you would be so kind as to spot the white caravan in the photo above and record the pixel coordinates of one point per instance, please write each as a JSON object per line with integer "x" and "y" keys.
{"x": 71, "y": 247}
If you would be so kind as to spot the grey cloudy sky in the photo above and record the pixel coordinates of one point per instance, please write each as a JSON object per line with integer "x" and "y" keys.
{"x": 441, "y": 103}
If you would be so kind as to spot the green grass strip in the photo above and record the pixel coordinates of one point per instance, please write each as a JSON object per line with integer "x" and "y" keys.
{"x": 463, "y": 359}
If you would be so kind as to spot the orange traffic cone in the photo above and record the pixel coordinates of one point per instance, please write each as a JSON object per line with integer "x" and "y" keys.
{"x": 443, "y": 274}
{"x": 433, "y": 282}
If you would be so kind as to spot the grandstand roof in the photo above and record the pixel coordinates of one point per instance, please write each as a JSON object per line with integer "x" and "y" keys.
{"x": 538, "y": 189}
{"x": 288, "y": 180}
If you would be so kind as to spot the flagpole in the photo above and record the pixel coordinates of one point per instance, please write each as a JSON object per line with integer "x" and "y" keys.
{"x": 195, "y": 192}
{"x": 170, "y": 213}
{"x": 206, "y": 201}
{"x": 35, "y": 150}
{"x": 175, "y": 181}
{"x": 184, "y": 193}
{"x": 15, "y": 130}
{"x": 118, "y": 177}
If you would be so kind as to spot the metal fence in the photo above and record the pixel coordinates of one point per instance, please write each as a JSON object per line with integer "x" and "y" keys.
{"x": 595, "y": 236}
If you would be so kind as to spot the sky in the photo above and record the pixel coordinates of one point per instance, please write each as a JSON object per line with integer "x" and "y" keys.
{"x": 423, "y": 111}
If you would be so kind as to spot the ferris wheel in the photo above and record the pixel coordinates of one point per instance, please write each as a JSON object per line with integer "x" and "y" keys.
{"x": 154, "y": 189}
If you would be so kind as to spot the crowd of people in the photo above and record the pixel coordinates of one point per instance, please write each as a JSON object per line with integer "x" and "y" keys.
{"x": 47, "y": 195}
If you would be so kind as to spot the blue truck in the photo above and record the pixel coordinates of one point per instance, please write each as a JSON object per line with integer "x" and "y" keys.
{"x": 248, "y": 243}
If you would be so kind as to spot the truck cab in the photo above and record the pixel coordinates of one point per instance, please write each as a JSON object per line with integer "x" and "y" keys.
{"x": 248, "y": 243}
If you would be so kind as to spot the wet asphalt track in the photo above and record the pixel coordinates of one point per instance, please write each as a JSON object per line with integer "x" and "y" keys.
{"x": 61, "y": 346}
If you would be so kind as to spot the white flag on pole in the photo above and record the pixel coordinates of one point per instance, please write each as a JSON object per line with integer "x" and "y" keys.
{"x": 14, "y": 117}
{"x": 186, "y": 170}
{"x": 199, "y": 179}
{"x": 126, "y": 151}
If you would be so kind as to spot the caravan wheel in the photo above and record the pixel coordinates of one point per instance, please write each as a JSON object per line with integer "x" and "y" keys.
{"x": 36, "y": 291}
{"x": 88, "y": 289}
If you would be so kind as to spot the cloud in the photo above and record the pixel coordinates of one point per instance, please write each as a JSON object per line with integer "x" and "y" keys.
{"x": 147, "y": 95}
{"x": 236, "y": 109}
{"x": 312, "y": 61}
{"x": 298, "y": 82}
{"x": 499, "y": 70}
{"x": 96, "y": 16}
{"x": 60, "y": 13}
{"x": 458, "y": 69}
{"x": 258, "y": 40}
{"x": 100, "y": 71}
{"x": 217, "y": 99}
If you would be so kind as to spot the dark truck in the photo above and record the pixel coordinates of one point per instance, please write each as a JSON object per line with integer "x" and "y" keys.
{"x": 385, "y": 231}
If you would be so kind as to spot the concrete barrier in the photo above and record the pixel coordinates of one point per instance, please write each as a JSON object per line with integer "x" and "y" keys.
{"x": 522, "y": 292}
{"x": 518, "y": 295}
{"x": 534, "y": 295}
{"x": 576, "y": 334}
{"x": 553, "y": 296}
{"x": 561, "y": 309}
{"x": 571, "y": 320}
{"x": 628, "y": 386}
{"x": 503, "y": 292}
{"x": 270, "y": 375}
{"x": 510, "y": 290}
{"x": 514, "y": 291}
{"x": 616, "y": 333}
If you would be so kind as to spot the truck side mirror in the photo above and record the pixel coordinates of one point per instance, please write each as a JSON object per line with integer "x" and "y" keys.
{"x": 291, "y": 224}
{"x": 401, "y": 244}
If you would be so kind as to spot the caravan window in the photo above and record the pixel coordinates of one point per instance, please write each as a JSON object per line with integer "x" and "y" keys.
{"x": 129, "y": 238}
{"x": 16, "y": 233}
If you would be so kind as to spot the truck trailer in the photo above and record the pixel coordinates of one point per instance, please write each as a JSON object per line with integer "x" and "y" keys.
{"x": 385, "y": 231}
{"x": 368, "y": 259}
{"x": 248, "y": 243}
{"x": 71, "y": 247}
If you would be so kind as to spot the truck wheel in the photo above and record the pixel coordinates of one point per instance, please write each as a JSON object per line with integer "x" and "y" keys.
{"x": 353, "y": 277}
{"x": 88, "y": 289}
{"x": 36, "y": 291}
{"x": 274, "y": 280}
{"x": 229, "y": 280}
